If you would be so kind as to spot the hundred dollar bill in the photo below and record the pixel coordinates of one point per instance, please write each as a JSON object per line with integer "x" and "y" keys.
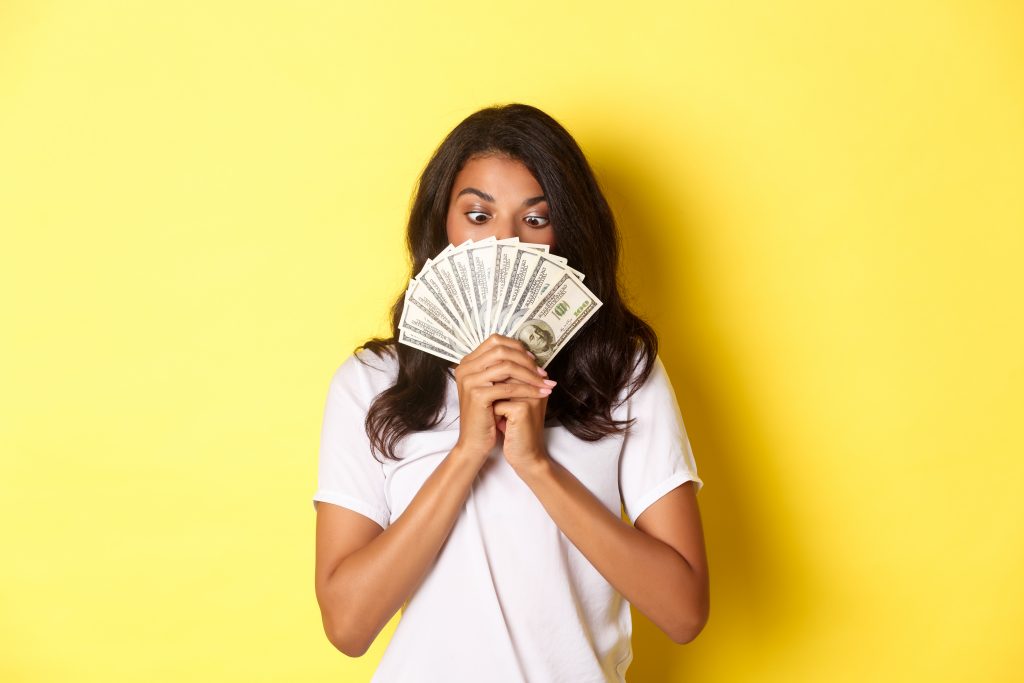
{"x": 557, "y": 316}
{"x": 504, "y": 258}
{"x": 423, "y": 316}
{"x": 472, "y": 290}
{"x": 451, "y": 316}
{"x": 458, "y": 261}
{"x": 506, "y": 262}
{"x": 523, "y": 261}
{"x": 480, "y": 256}
{"x": 503, "y": 251}
{"x": 446, "y": 274}
{"x": 565, "y": 262}
{"x": 411, "y": 339}
{"x": 545, "y": 272}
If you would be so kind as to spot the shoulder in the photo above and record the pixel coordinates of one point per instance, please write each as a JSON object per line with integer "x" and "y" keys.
{"x": 658, "y": 375}
{"x": 366, "y": 372}
{"x": 639, "y": 385}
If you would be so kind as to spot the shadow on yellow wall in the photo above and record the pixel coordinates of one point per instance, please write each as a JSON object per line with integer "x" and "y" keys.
{"x": 660, "y": 273}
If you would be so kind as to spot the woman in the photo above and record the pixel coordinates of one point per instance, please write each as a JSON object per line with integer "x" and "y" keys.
{"x": 485, "y": 496}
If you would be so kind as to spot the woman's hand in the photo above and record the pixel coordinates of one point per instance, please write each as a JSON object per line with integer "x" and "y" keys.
{"x": 499, "y": 369}
{"x": 522, "y": 421}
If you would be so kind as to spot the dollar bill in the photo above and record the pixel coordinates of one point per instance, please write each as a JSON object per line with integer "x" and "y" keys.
{"x": 428, "y": 279}
{"x": 540, "y": 277}
{"x": 557, "y": 316}
{"x": 522, "y": 265}
{"x": 480, "y": 257}
{"x": 504, "y": 260}
{"x": 458, "y": 261}
{"x": 445, "y": 273}
{"x": 468, "y": 292}
{"x": 424, "y": 316}
{"x": 410, "y": 339}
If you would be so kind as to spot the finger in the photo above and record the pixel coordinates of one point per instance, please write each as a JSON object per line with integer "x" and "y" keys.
{"x": 501, "y": 409}
{"x": 497, "y": 341}
{"x": 506, "y": 371}
{"x": 530, "y": 401}
{"x": 513, "y": 409}
{"x": 504, "y": 390}
{"x": 499, "y": 349}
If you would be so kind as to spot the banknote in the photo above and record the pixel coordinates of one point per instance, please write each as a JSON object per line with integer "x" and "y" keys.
{"x": 410, "y": 339}
{"x": 504, "y": 257}
{"x": 452, "y": 314}
{"x": 480, "y": 256}
{"x": 520, "y": 269}
{"x": 518, "y": 289}
{"x": 544, "y": 272}
{"x": 424, "y": 316}
{"x": 444, "y": 273}
{"x": 559, "y": 313}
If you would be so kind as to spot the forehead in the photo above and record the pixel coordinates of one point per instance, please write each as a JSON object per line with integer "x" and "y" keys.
{"x": 498, "y": 176}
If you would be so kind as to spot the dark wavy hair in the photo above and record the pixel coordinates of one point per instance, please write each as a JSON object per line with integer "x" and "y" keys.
{"x": 605, "y": 352}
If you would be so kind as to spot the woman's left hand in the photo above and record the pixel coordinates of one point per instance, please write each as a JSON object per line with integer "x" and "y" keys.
{"x": 523, "y": 427}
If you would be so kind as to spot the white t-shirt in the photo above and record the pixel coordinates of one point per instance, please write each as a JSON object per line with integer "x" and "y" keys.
{"x": 509, "y": 597}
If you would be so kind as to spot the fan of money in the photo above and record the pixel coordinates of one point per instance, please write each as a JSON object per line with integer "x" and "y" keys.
{"x": 517, "y": 289}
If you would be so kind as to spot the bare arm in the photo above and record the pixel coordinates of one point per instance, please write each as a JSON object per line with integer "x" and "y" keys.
{"x": 360, "y": 592}
{"x": 659, "y": 566}
{"x": 365, "y": 573}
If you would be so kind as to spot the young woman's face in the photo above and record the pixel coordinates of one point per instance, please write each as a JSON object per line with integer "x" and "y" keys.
{"x": 498, "y": 196}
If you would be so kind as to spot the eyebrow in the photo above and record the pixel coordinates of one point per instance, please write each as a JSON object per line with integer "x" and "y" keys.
{"x": 486, "y": 197}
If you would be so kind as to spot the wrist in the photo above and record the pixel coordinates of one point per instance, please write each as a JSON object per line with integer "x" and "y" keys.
{"x": 463, "y": 453}
{"x": 537, "y": 467}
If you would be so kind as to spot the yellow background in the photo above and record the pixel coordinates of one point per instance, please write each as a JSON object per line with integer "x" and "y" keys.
{"x": 202, "y": 208}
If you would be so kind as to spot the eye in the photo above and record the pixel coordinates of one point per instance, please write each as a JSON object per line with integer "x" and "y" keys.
{"x": 477, "y": 216}
{"x": 536, "y": 221}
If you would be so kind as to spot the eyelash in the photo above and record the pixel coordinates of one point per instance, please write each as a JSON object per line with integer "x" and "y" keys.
{"x": 543, "y": 218}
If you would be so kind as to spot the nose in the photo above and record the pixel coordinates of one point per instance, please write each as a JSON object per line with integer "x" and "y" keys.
{"x": 505, "y": 228}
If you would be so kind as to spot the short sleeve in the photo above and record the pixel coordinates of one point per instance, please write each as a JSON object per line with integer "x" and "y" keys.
{"x": 656, "y": 455}
{"x": 349, "y": 475}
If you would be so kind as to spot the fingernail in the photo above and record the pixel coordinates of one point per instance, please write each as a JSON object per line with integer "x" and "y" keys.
{"x": 542, "y": 371}
{"x": 544, "y": 392}
{"x": 550, "y": 382}
{"x": 530, "y": 353}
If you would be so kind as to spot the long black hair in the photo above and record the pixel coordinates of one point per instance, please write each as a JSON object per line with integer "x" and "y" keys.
{"x": 606, "y": 351}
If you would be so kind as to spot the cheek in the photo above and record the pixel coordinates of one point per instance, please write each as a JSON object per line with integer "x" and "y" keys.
{"x": 549, "y": 239}
{"x": 455, "y": 232}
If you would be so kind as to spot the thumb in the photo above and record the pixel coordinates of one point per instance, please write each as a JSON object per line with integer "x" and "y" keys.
{"x": 500, "y": 421}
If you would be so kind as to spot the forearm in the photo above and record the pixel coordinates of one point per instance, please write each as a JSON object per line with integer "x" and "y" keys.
{"x": 650, "y": 574}
{"x": 372, "y": 584}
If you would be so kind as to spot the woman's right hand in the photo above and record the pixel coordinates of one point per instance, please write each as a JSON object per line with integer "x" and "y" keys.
{"x": 499, "y": 368}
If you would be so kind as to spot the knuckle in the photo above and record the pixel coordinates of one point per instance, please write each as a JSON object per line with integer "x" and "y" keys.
{"x": 508, "y": 353}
